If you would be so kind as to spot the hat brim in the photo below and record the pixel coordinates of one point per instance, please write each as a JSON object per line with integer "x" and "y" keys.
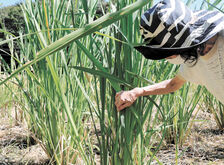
{"x": 153, "y": 53}
{"x": 203, "y": 26}
{"x": 161, "y": 53}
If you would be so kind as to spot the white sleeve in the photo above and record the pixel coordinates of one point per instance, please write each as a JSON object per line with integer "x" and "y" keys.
{"x": 189, "y": 74}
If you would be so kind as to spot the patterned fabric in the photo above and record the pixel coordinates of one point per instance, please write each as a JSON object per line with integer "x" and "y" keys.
{"x": 171, "y": 25}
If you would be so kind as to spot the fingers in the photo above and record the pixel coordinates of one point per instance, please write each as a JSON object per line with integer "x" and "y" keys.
{"x": 125, "y": 105}
{"x": 118, "y": 100}
{"x": 124, "y": 99}
{"x": 118, "y": 94}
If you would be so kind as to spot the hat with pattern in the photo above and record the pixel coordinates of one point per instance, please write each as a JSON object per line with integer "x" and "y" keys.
{"x": 170, "y": 27}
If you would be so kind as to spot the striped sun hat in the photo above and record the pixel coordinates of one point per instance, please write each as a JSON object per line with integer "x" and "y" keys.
{"x": 170, "y": 27}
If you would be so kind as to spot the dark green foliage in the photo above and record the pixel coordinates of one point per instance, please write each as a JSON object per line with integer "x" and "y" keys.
{"x": 12, "y": 19}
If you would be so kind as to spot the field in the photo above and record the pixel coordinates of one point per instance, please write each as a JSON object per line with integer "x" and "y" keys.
{"x": 57, "y": 96}
{"x": 203, "y": 146}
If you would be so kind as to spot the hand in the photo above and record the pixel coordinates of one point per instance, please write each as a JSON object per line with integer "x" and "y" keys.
{"x": 125, "y": 99}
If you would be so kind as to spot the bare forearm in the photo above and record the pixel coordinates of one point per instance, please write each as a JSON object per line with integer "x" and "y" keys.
{"x": 157, "y": 89}
{"x": 161, "y": 88}
{"x": 125, "y": 99}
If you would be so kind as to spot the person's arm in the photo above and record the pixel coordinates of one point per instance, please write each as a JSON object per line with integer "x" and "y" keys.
{"x": 125, "y": 99}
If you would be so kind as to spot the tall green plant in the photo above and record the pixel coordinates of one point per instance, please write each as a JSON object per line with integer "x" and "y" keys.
{"x": 52, "y": 94}
{"x": 215, "y": 107}
{"x": 71, "y": 79}
{"x": 119, "y": 131}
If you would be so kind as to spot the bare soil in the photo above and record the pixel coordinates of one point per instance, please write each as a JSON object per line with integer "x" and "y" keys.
{"x": 17, "y": 147}
{"x": 205, "y": 145}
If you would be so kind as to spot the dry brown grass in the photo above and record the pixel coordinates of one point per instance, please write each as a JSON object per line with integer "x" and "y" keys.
{"x": 16, "y": 144}
{"x": 204, "y": 145}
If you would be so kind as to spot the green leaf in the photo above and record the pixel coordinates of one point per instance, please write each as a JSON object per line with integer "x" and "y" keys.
{"x": 82, "y": 32}
{"x": 103, "y": 74}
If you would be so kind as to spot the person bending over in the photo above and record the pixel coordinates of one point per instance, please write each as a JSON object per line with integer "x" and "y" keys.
{"x": 193, "y": 40}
